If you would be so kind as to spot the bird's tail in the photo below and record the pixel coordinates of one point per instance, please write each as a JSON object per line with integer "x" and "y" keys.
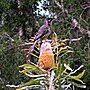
{"x": 31, "y": 49}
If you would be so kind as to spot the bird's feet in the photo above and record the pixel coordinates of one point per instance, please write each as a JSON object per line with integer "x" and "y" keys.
{"x": 31, "y": 50}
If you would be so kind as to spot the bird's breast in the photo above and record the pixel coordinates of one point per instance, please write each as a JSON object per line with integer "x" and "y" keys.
{"x": 48, "y": 33}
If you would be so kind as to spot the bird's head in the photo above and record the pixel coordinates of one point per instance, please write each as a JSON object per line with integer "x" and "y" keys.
{"x": 49, "y": 21}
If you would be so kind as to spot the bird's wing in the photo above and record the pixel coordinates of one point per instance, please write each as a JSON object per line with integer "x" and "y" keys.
{"x": 42, "y": 31}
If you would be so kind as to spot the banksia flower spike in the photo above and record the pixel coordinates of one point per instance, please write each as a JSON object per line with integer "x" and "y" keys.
{"x": 46, "y": 58}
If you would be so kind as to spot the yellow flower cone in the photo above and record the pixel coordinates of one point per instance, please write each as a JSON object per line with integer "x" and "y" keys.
{"x": 46, "y": 58}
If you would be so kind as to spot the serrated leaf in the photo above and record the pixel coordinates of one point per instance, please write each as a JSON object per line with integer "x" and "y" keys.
{"x": 27, "y": 66}
{"x": 81, "y": 74}
{"x": 27, "y": 70}
{"x": 65, "y": 72}
{"x": 64, "y": 50}
{"x": 31, "y": 68}
{"x": 34, "y": 55}
{"x": 69, "y": 51}
{"x": 61, "y": 44}
{"x": 31, "y": 82}
{"x": 74, "y": 77}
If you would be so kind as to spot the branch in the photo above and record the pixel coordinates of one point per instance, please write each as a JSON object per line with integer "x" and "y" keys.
{"x": 74, "y": 21}
{"x": 72, "y": 73}
{"x": 58, "y": 4}
{"x": 26, "y": 44}
{"x": 20, "y": 7}
{"x": 82, "y": 14}
{"x": 72, "y": 40}
{"x": 61, "y": 6}
{"x": 11, "y": 39}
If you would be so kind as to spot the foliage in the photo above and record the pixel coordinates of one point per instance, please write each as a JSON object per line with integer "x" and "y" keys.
{"x": 9, "y": 62}
{"x": 10, "y": 21}
{"x": 59, "y": 77}
{"x": 62, "y": 76}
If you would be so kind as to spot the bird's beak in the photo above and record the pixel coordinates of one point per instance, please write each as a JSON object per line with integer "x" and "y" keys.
{"x": 53, "y": 19}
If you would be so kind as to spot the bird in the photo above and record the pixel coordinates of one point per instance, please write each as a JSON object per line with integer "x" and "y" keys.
{"x": 43, "y": 32}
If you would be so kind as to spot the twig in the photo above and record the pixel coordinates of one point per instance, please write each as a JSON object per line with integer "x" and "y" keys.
{"x": 35, "y": 76}
{"x": 83, "y": 11}
{"x": 72, "y": 73}
{"x": 29, "y": 87}
{"x": 72, "y": 40}
{"x": 51, "y": 80}
{"x": 82, "y": 14}
{"x": 61, "y": 6}
{"x": 8, "y": 85}
{"x": 88, "y": 46}
{"x": 68, "y": 86}
{"x": 12, "y": 40}
{"x": 66, "y": 11}
{"x": 58, "y": 4}
{"x": 26, "y": 44}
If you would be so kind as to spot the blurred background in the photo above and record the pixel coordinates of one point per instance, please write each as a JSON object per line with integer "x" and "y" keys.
{"x": 21, "y": 19}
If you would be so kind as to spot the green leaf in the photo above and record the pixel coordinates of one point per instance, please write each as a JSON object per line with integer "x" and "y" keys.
{"x": 64, "y": 48}
{"x": 27, "y": 70}
{"x": 31, "y": 82}
{"x": 65, "y": 72}
{"x": 81, "y": 74}
{"x": 61, "y": 44}
{"x": 59, "y": 68}
{"x": 27, "y": 66}
{"x": 31, "y": 68}
{"x": 23, "y": 88}
{"x": 75, "y": 78}
{"x": 65, "y": 51}
{"x": 34, "y": 55}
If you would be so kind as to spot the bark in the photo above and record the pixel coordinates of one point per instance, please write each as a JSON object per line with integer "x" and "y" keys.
{"x": 20, "y": 12}
{"x": 21, "y": 28}
{"x": 89, "y": 46}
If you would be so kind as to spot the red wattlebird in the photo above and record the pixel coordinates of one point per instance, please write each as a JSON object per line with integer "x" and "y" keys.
{"x": 42, "y": 33}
